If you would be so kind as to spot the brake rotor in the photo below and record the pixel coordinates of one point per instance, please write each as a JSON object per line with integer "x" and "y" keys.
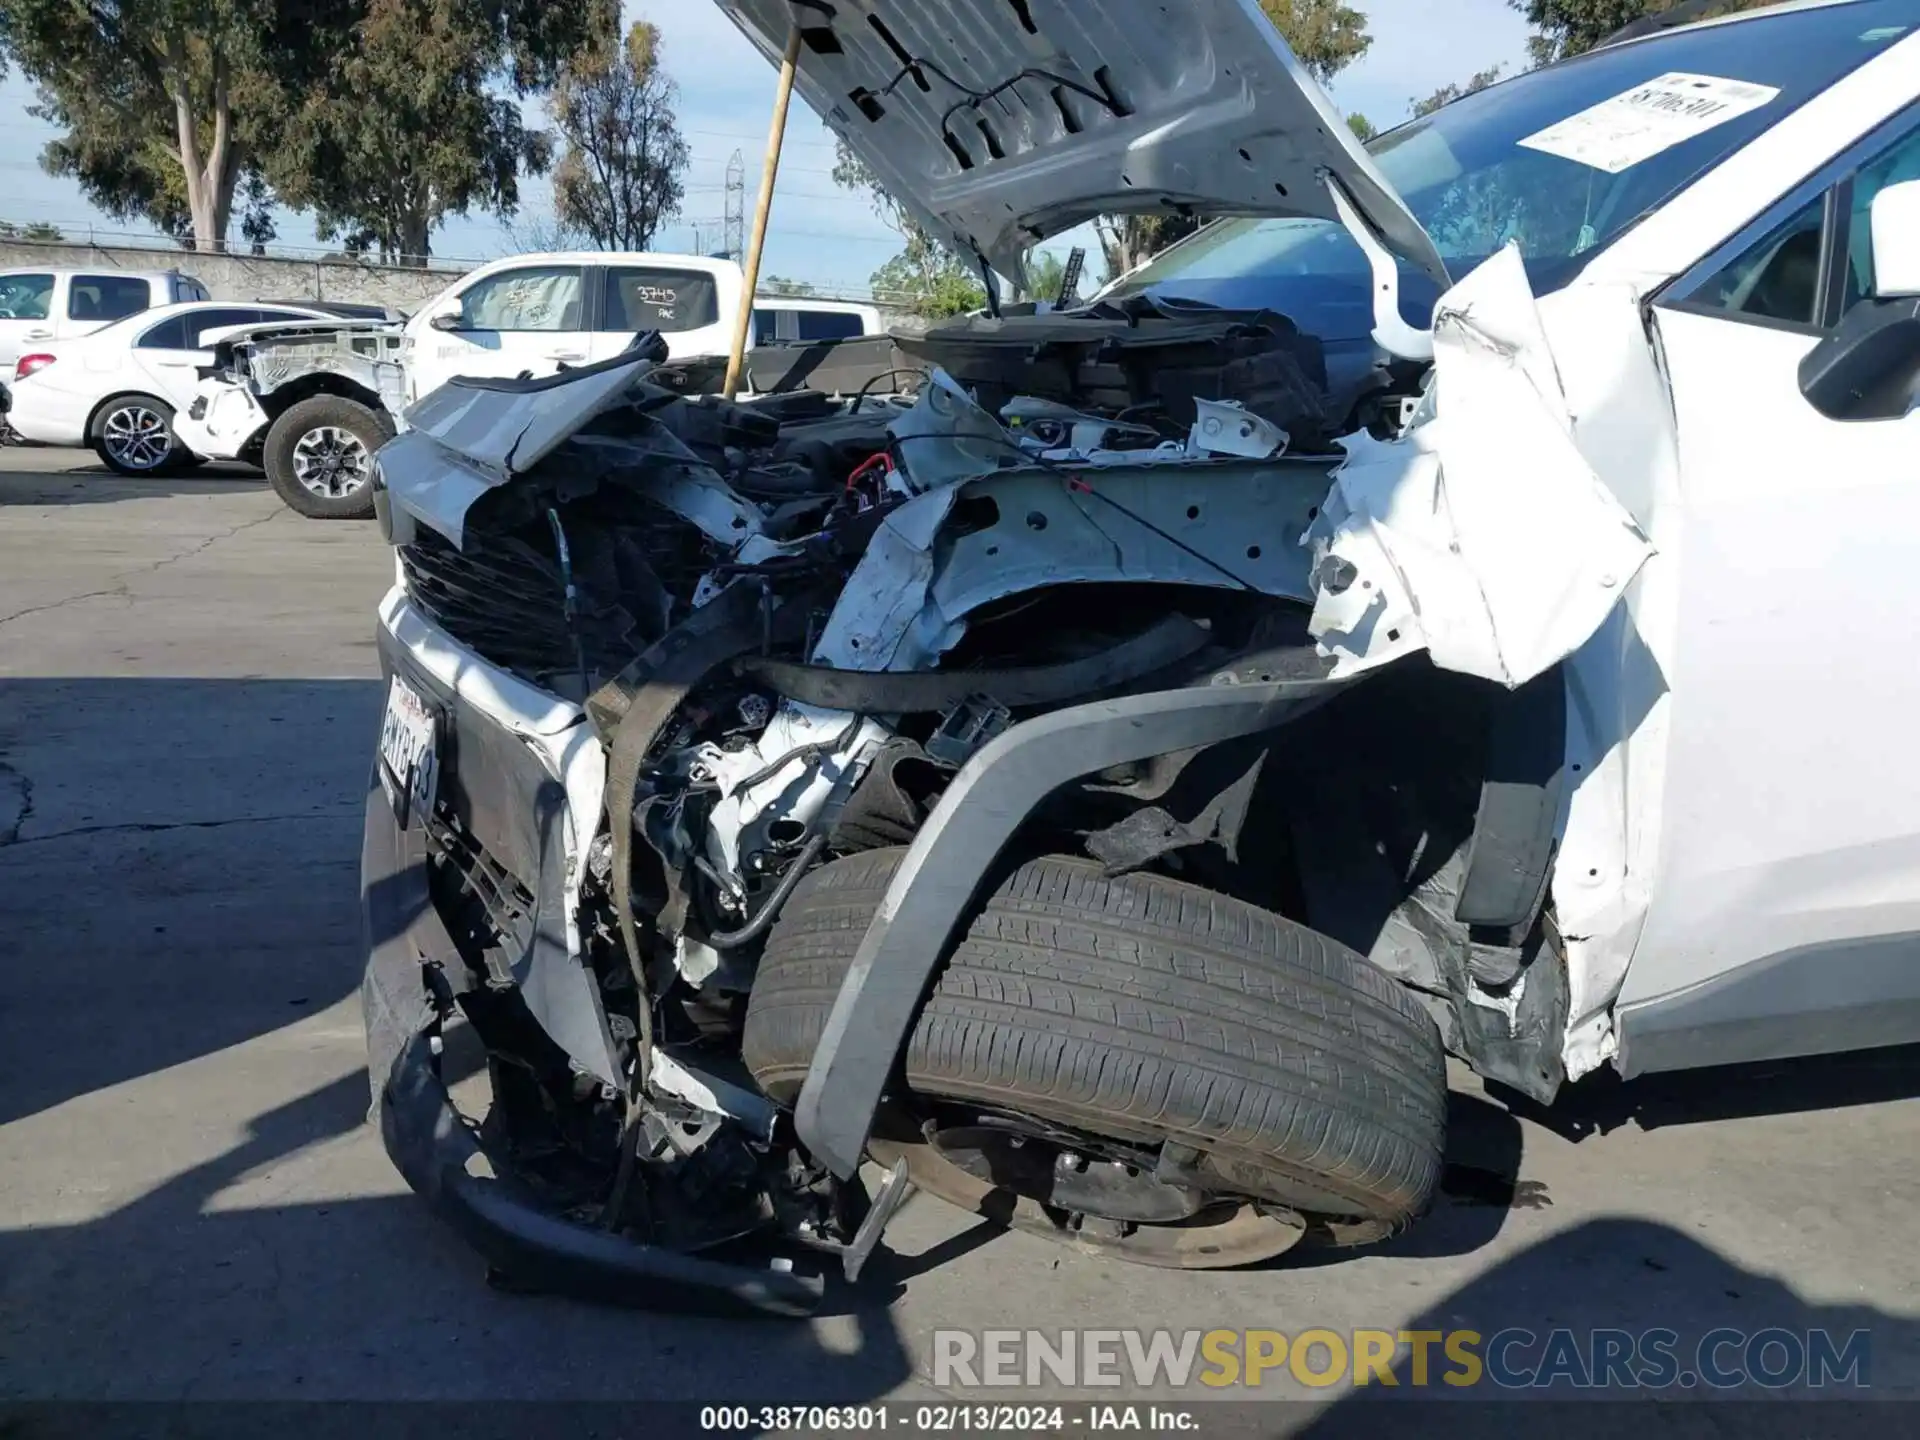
{"x": 1066, "y": 1179}
{"x": 1211, "y": 1234}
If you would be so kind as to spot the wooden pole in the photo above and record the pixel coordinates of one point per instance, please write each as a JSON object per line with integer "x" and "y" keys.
{"x": 776, "y": 136}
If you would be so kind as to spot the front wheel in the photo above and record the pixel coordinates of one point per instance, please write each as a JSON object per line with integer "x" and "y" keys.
{"x": 319, "y": 456}
{"x": 133, "y": 435}
{"x": 1133, "y": 1065}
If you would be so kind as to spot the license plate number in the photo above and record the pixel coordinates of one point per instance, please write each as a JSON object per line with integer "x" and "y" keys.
{"x": 409, "y": 758}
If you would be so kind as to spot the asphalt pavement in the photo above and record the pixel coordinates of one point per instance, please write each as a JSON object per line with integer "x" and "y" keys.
{"x": 192, "y": 1206}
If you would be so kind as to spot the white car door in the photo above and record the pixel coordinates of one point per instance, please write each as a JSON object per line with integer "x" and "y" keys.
{"x": 167, "y": 356}
{"x": 1788, "y": 879}
{"x": 27, "y": 300}
{"x": 527, "y": 318}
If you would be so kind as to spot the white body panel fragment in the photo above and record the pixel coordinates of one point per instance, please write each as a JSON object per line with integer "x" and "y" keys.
{"x": 1483, "y": 536}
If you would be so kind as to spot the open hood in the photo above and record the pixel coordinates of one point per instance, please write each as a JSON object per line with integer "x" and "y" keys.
{"x": 998, "y": 123}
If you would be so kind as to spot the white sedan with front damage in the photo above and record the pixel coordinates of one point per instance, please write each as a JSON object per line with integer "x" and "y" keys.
{"x": 1448, "y": 608}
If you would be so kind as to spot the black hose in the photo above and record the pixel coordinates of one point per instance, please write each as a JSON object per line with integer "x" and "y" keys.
{"x": 769, "y": 912}
{"x": 809, "y": 753}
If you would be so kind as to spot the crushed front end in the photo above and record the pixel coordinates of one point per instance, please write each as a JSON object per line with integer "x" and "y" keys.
{"x": 657, "y": 662}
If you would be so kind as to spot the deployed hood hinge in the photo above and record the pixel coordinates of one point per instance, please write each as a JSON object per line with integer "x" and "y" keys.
{"x": 1391, "y": 332}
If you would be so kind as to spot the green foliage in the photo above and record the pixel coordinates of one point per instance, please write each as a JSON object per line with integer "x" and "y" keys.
{"x": 414, "y": 115}
{"x": 1447, "y": 94}
{"x": 620, "y": 176}
{"x": 1045, "y": 270}
{"x": 1325, "y": 35}
{"x": 929, "y": 280}
{"x": 1569, "y": 27}
{"x": 37, "y": 231}
{"x": 162, "y": 103}
{"x": 925, "y": 276}
{"x": 780, "y": 285}
{"x": 380, "y": 115}
{"x": 1362, "y": 127}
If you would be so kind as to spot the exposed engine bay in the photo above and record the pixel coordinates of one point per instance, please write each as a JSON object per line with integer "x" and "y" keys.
{"x": 742, "y": 643}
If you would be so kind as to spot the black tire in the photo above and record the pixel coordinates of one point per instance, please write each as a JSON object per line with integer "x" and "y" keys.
{"x": 311, "y": 418}
{"x": 125, "y": 417}
{"x": 1143, "y": 1009}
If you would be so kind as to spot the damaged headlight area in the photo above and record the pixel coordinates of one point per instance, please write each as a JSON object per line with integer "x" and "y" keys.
{"x": 924, "y": 777}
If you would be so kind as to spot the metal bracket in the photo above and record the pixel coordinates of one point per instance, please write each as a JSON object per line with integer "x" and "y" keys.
{"x": 1391, "y": 332}
{"x": 854, "y": 1254}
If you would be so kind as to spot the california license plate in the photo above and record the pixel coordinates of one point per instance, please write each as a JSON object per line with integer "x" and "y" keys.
{"x": 409, "y": 752}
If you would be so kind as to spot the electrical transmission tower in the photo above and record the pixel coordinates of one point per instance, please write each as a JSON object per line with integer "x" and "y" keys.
{"x": 735, "y": 240}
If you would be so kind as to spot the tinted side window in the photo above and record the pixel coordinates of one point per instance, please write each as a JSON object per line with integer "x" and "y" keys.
{"x": 539, "y": 297}
{"x": 25, "y": 297}
{"x": 107, "y": 297}
{"x": 664, "y": 300}
{"x": 828, "y": 325}
{"x": 1778, "y": 278}
{"x": 766, "y": 326}
{"x": 167, "y": 335}
{"x": 202, "y": 321}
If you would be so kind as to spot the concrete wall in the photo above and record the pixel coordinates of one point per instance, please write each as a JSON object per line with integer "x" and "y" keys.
{"x": 247, "y": 277}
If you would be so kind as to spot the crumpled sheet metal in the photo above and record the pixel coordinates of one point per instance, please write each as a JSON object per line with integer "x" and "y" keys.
{"x": 1483, "y": 536}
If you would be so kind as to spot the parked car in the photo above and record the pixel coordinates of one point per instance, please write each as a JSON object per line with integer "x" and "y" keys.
{"x": 43, "y": 303}
{"x": 535, "y": 313}
{"x": 1104, "y": 790}
{"x": 312, "y": 406}
{"x": 789, "y": 319}
{"x": 116, "y": 389}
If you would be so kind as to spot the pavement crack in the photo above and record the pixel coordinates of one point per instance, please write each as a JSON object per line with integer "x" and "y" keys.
{"x": 11, "y": 839}
{"x": 202, "y": 547}
{"x": 119, "y": 585}
{"x": 119, "y": 588}
{"x": 21, "y": 805}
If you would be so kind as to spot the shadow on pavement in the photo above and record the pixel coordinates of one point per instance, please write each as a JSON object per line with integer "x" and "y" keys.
{"x": 95, "y": 484}
{"x": 181, "y": 1295}
{"x": 1604, "y": 1102}
{"x": 1670, "y": 1322}
{"x": 179, "y": 870}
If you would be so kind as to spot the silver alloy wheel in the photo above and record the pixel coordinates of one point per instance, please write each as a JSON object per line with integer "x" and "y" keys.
{"x": 331, "y": 462}
{"x": 137, "y": 437}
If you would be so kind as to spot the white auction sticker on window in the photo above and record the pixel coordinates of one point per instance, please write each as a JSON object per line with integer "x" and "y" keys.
{"x": 1618, "y": 134}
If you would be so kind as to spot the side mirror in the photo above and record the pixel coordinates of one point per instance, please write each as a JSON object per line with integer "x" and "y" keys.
{"x": 1869, "y": 368}
{"x": 1896, "y": 241}
{"x": 447, "y": 317}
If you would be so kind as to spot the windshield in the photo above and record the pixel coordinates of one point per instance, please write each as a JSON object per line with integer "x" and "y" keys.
{"x": 1560, "y": 161}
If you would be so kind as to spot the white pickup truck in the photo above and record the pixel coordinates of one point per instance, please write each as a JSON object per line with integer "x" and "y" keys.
{"x": 312, "y": 404}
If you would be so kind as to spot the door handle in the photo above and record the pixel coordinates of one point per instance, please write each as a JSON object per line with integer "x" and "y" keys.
{"x": 39, "y": 334}
{"x": 566, "y": 355}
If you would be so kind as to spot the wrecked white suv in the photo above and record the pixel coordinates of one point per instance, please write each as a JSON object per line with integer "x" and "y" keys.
{"x": 1101, "y": 770}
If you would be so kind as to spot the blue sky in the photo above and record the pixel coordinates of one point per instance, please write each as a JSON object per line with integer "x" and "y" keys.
{"x": 819, "y": 232}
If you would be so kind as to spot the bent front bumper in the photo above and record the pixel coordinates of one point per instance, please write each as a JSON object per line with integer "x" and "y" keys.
{"x": 436, "y": 1150}
{"x": 221, "y": 423}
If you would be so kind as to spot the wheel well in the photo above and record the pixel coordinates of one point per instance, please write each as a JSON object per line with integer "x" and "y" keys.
{"x": 305, "y": 387}
{"x": 93, "y": 420}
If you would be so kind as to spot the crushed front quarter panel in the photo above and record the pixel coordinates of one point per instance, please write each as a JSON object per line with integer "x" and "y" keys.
{"x": 1483, "y": 536}
{"x": 280, "y": 354}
